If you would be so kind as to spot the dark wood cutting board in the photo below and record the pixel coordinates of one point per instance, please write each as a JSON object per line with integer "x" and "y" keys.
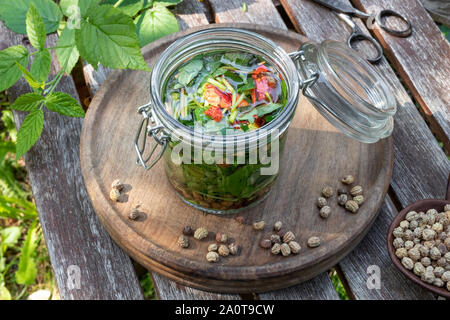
{"x": 316, "y": 154}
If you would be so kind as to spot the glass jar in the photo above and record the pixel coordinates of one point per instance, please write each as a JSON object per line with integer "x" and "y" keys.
{"x": 227, "y": 173}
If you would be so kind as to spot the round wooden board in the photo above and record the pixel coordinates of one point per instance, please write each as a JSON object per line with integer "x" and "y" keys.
{"x": 316, "y": 154}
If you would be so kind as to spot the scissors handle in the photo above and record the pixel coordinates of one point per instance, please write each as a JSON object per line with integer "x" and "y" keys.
{"x": 391, "y": 13}
{"x": 357, "y": 35}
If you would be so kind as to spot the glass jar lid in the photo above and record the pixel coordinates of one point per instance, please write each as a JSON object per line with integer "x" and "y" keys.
{"x": 346, "y": 90}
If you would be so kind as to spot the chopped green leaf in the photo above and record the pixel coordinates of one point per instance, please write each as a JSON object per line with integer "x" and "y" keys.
{"x": 248, "y": 116}
{"x": 13, "y": 13}
{"x": 248, "y": 86}
{"x": 9, "y": 71}
{"x": 29, "y": 131}
{"x": 109, "y": 36}
{"x": 67, "y": 51}
{"x": 27, "y": 102}
{"x": 35, "y": 27}
{"x": 268, "y": 108}
{"x": 155, "y": 23}
{"x": 241, "y": 58}
{"x": 190, "y": 71}
{"x": 40, "y": 67}
{"x": 64, "y": 104}
{"x": 26, "y": 273}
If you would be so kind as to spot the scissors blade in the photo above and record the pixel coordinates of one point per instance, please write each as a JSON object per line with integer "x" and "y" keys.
{"x": 339, "y": 6}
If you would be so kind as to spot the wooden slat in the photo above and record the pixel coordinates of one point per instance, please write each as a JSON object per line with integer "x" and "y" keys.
{"x": 420, "y": 166}
{"x": 422, "y": 60}
{"x": 189, "y": 13}
{"x": 258, "y": 12}
{"x": 73, "y": 234}
{"x": 264, "y": 12}
{"x": 372, "y": 251}
{"x": 318, "y": 288}
{"x": 439, "y": 10}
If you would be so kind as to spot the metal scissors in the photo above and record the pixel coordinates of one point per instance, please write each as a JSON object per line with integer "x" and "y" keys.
{"x": 345, "y": 12}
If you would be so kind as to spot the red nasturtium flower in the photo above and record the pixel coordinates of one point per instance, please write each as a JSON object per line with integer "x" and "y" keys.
{"x": 215, "y": 97}
{"x": 264, "y": 83}
{"x": 214, "y": 113}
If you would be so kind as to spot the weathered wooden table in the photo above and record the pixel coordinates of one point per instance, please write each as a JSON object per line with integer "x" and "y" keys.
{"x": 418, "y": 69}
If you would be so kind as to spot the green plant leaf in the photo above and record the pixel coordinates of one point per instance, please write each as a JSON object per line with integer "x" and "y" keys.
{"x": 166, "y": 3}
{"x": 5, "y": 147}
{"x": 83, "y": 5}
{"x": 29, "y": 77}
{"x": 9, "y": 186}
{"x": 67, "y": 50}
{"x": 4, "y": 292}
{"x": 8, "y": 121}
{"x": 109, "y": 36}
{"x": 10, "y": 73}
{"x": 130, "y": 7}
{"x": 27, "y": 102}
{"x": 155, "y": 23}
{"x": 13, "y": 13}
{"x": 35, "y": 27}
{"x": 29, "y": 131}
{"x": 9, "y": 208}
{"x": 10, "y": 236}
{"x": 189, "y": 71}
{"x": 26, "y": 273}
{"x": 64, "y": 104}
{"x": 40, "y": 68}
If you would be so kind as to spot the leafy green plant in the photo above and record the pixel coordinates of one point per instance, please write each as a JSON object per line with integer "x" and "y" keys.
{"x": 109, "y": 32}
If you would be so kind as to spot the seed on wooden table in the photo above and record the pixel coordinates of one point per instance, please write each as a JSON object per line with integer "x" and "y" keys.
{"x": 200, "y": 233}
{"x": 277, "y": 226}
{"x": 285, "y": 249}
{"x": 348, "y": 179}
{"x": 321, "y": 202}
{"x": 221, "y": 237}
{"x": 447, "y": 207}
{"x": 313, "y": 242}
{"x": 356, "y": 191}
{"x": 183, "y": 242}
{"x": 342, "y": 199}
{"x": 288, "y": 236}
{"x": 187, "y": 231}
{"x": 212, "y": 247}
{"x": 295, "y": 247}
{"x": 114, "y": 195}
{"x": 275, "y": 248}
{"x": 259, "y": 225}
{"x": 234, "y": 248}
{"x": 351, "y": 206}
{"x": 223, "y": 250}
{"x": 325, "y": 212}
{"x": 327, "y": 191}
{"x": 212, "y": 256}
{"x": 275, "y": 238}
{"x": 134, "y": 214}
{"x": 117, "y": 185}
{"x": 265, "y": 243}
{"x": 359, "y": 200}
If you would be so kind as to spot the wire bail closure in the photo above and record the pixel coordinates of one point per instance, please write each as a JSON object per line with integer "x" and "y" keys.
{"x": 151, "y": 129}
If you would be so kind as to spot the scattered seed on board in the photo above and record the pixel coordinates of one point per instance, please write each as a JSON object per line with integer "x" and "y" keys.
{"x": 183, "y": 242}
{"x": 321, "y": 202}
{"x": 117, "y": 185}
{"x": 276, "y": 248}
{"x": 356, "y": 191}
{"x": 223, "y": 250}
{"x": 200, "y": 233}
{"x": 342, "y": 199}
{"x": 285, "y": 249}
{"x": 275, "y": 238}
{"x": 313, "y": 242}
{"x": 277, "y": 226}
{"x": 114, "y": 195}
{"x": 212, "y": 247}
{"x": 234, "y": 248}
{"x": 295, "y": 247}
{"x": 212, "y": 256}
{"x": 351, "y": 206}
{"x": 187, "y": 231}
{"x": 259, "y": 225}
{"x": 327, "y": 191}
{"x": 359, "y": 199}
{"x": 325, "y": 212}
{"x": 265, "y": 243}
{"x": 348, "y": 179}
{"x": 134, "y": 214}
{"x": 221, "y": 237}
{"x": 288, "y": 237}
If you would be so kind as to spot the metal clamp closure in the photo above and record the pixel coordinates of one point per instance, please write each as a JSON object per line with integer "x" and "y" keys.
{"x": 151, "y": 129}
